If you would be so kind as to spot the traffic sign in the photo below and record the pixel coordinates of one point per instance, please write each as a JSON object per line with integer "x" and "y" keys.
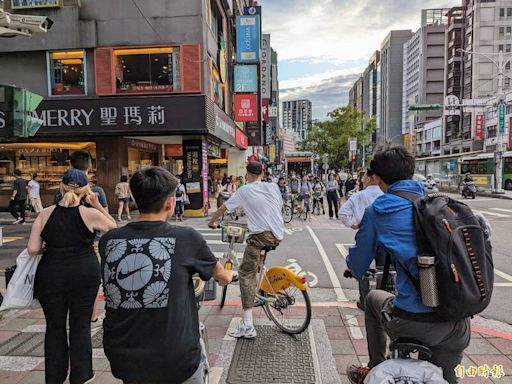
{"x": 501, "y": 112}
{"x": 353, "y": 144}
{"x": 325, "y": 167}
{"x": 451, "y": 105}
{"x": 424, "y": 107}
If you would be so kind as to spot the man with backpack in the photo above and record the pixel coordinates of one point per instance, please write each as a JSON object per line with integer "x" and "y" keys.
{"x": 390, "y": 225}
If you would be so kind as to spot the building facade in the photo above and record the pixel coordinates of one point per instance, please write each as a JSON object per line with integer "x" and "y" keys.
{"x": 133, "y": 87}
{"x": 389, "y": 127}
{"x": 297, "y": 117}
{"x": 423, "y": 83}
{"x": 356, "y": 95}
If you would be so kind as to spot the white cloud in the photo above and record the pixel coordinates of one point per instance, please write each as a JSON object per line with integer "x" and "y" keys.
{"x": 339, "y": 32}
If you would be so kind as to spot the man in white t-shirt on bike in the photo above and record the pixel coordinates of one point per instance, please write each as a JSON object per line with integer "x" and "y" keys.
{"x": 262, "y": 204}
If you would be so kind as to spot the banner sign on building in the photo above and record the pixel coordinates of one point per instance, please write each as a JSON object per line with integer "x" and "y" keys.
{"x": 272, "y": 153}
{"x": 242, "y": 141}
{"x": 273, "y": 111}
{"x": 25, "y": 4}
{"x": 479, "y": 126}
{"x": 265, "y": 109}
{"x": 248, "y": 39}
{"x": 254, "y": 133}
{"x": 246, "y": 78}
{"x": 204, "y": 176}
{"x": 265, "y": 67}
{"x": 246, "y": 107}
{"x": 274, "y": 78}
{"x": 501, "y": 115}
{"x": 269, "y": 132}
{"x": 510, "y": 133}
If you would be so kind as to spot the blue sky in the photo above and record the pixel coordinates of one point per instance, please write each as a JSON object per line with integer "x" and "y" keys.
{"x": 324, "y": 45}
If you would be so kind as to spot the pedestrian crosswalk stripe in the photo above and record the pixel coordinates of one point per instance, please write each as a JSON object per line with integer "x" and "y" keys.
{"x": 343, "y": 249}
{"x": 491, "y": 213}
{"x": 210, "y": 234}
{"x": 218, "y": 242}
{"x": 502, "y": 210}
{"x": 502, "y": 274}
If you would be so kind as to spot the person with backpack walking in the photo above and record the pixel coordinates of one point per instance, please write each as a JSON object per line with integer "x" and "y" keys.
{"x": 388, "y": 225}
{"x": 318, "y": 194}
{"x": 181, "y": 193}
{"x": 123, "y": 194}
{"x": 18, "y": 198}
{"x": 332, "y": 196}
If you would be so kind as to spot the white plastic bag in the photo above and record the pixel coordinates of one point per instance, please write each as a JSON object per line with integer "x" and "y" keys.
{"x": 397, "y": 371}
{"x": 20, "y": 291}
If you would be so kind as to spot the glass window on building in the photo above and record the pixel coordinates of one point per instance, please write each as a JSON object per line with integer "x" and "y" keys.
{"x": 436, "y": 133}
{"x": 140, "y": 70}
{"x": 509, "y": 12}
{"x": 66, "y": 72}
{"x": 502, "y": 12}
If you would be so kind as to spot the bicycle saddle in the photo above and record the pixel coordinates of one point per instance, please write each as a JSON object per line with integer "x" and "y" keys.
{"x": 269, "y": 248}
{"x": 405, "y": 346}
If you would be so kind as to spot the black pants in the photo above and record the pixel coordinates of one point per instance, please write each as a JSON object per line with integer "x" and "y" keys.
{"x": 15, "y": 206}
{"x": 447, "y": 340}
{"x": 58, "y": 354}
{"x": 332, "y": 202}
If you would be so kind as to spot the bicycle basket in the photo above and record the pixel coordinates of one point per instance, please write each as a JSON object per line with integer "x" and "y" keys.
{"x": 233, "y": 230}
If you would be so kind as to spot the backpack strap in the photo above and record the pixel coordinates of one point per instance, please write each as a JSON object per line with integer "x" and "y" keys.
{"x": 412, "y": 197}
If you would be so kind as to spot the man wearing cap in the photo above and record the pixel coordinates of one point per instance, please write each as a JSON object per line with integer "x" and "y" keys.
{"x": 262, "y": 204}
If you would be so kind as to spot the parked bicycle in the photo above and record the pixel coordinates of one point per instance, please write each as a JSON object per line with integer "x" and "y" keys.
{"x": 278, "y": 290}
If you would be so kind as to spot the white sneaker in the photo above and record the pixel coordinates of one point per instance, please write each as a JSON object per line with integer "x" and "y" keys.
{"x": 18, "y": 220}
{"x": 242, "y": 330}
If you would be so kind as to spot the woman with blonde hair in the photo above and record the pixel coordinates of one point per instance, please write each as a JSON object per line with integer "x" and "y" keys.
{"x": 68, "y": 276}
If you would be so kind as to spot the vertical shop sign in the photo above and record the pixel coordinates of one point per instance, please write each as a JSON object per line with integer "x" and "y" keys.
{"x": 254, "y": 133}
{"x": 192, "y": 151}
{"x": 204, "y": 176}
{"x": 265, "y": 67}
{"x": 246, "y": 107}
{"x": 479, "y": 126}
{"x": 246, "y": 78}
{"x": 248, "y": 39}
{"x": 265, "y": 109}
{"x": 510, "y": 132}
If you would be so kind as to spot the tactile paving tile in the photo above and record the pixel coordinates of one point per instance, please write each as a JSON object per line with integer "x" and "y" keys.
{"x": 24, "y": 344}
{"x": 273, "y": 357}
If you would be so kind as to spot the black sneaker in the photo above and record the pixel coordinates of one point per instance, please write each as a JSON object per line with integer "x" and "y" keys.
{"x": 360, "y": 305}
{"x": 356, "y": 375}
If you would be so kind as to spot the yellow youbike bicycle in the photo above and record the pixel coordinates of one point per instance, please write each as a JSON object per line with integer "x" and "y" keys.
{"x": 281, "y": 293}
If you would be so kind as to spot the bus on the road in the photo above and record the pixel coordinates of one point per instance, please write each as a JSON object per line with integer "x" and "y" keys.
{"x": 484, "y": 165}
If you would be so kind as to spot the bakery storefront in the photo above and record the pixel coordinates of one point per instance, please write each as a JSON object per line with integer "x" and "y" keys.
{"x": 122, "y": 134}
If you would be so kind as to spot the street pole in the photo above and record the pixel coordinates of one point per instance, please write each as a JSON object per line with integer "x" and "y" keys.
{"x": 501, "y": 126}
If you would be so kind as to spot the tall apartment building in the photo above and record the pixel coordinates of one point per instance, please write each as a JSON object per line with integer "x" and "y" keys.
{"x": 485, "y": 27}
{"x": 355, "y": 94}
{"x": 297, "y": 117}
{"x": 131, "y": 86}
{"x": 423, "y": 81}
{"x": 455, "y": 67}
{"x": 389, "y": 126}
{"x": 370, "y": 89}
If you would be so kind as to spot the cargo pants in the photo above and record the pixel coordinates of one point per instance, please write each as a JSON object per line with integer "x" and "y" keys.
{"x": 249, "y": 268}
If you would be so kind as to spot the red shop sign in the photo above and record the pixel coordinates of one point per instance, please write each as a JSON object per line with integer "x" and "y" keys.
{"x": 241, "y": 139}
{"x": 264, "y": 109}
{"x": 479, "y": 127}
{"x": 246, "y": 108}
{"x": 173, "y": 150}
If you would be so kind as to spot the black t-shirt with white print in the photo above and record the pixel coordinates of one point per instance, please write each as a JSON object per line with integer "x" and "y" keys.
{"x": 151, "y": 325}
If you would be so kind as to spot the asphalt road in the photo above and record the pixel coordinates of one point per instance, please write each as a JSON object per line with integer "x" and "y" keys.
{"x": 317, "y": 248}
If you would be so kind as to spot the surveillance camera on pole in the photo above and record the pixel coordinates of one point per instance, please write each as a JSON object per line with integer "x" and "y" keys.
{"x": 12, "y": 25}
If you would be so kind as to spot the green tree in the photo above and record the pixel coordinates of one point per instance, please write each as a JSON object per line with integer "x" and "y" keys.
{"x": 330, "y": 138}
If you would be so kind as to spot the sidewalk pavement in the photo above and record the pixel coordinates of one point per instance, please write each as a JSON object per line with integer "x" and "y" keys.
{"x": 339, "y": 338}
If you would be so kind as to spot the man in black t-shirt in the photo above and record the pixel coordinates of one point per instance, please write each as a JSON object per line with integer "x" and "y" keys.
{"x": 151, "y": 329}
{"x": 18, "y": 198}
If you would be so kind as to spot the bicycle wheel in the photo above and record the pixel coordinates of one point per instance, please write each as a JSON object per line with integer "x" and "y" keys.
{"x": 228, "y": 266}
{"x": 287, "y": 214}
{"x": 281, "y": 308}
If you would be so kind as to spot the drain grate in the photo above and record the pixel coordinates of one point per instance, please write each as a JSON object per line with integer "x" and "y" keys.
{"x": 24, "y": 344}
{"x": 273, "y": 357}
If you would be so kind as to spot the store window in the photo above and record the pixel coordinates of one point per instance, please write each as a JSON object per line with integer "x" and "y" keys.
{"x": 142, "y": 70}
{"x": 66, "y": 72}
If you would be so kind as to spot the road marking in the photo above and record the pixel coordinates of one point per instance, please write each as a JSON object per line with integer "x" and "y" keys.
{"x": 8, "y": 239}
{"x": 503, "y": 284}
{"x": 330, "y": 270}
{"x": 502, "y": 274}
{"x": 354, "y": 328}
{"x": 490, "y": 213}
{"x": 210, "y": 234}
{"x": 219, "y": 242}
{"x": 502, "y": 210}
{"x": 295, "y": 267}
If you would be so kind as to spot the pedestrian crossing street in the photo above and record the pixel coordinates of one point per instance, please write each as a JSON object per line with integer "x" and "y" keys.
{"x": 493, "y": 213}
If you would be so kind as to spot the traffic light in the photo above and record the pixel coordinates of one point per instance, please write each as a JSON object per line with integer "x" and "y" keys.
{"x": 354, "y": 157}
{"x": 18, "y": 107}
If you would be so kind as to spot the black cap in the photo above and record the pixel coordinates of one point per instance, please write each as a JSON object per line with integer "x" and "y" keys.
{"x": 255, "y": 168}
{"x": 75, "y": 178}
